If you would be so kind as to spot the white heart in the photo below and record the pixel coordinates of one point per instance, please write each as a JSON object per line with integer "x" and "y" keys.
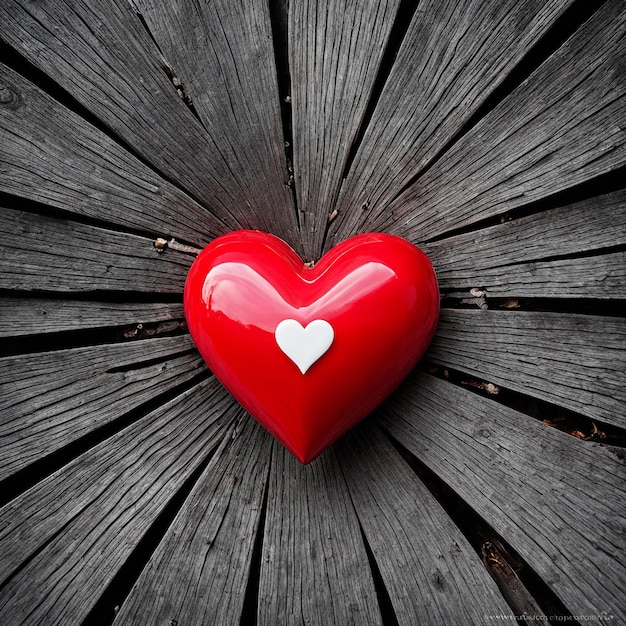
{"x": 304, "y": 346}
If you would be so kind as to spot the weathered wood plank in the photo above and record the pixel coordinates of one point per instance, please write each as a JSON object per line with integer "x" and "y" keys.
{"x": 453, "y": 56}
{"x": 601, "y": 277}
{"x": 557, "y": 500}
{"x": 334, "y": 52}
{"x": 575, "y": 361}
{"x": 53, "y": 156}
{"x": 222, "y": 52}
{"x": 516, "y": 257}
{"x": 50, "y": 399}
{"x": 47, "y": 254}
{"x": 199, "y": 572}
{"x": 429, "y": 569}
{"x": 104, "y": 57}
{"x": 314, "y": 567}
{"x": 21, "y": 317}
{"x": 75, "y": 530}
{"x": 559, "y": 128}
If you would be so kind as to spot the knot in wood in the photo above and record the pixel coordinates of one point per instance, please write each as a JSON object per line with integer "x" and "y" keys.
{"x": 8, "y": 96}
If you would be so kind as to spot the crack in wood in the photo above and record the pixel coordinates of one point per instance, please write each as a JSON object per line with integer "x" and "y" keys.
{"x": 575, "y": 306}
{"x": 552, "y": 415}
{"x": 279, "y": 20}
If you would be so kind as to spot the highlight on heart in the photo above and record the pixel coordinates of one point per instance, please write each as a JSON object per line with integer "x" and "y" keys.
{"x": 310, "y": 351}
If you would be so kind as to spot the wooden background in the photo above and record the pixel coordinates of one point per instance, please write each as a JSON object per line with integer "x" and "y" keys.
{"x": 491, "y": 133}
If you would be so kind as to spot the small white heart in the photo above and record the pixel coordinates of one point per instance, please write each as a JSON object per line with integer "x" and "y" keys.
{"x": 304, "y": 346}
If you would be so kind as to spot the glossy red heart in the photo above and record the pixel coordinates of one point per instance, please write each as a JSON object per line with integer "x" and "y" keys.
{"x": 309, "y": 352}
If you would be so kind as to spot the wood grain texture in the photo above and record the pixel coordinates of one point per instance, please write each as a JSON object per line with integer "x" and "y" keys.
{"x": 559, "y": 128}
{"x": 103, "y": 56}
{"x": 198, "y": 574}
{"x": 47, "y": 254}
{"x": 600, "y": 277}
{"x": 53, "y": 156}
{"x": 334, "y": 52}
{"x": 75, "y": 530}
{"x": 557, "y": 500}
{"x": 574, "y": 361}
{"x": 314, "y": 568}
{"x": 50, "y": 399}
{"x": 21, "y": 317}
{"x": 523, "y": 257}
{"x": 453, "y": 56}
{"x": 222, "y": 52}
{"x": 429, "y": 569}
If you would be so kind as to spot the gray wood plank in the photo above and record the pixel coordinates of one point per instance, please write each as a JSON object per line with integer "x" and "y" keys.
{"x": 575, "y": 361}
{"x": 104, "y": 57}
{"x": 73, "y": 531}
{"x": 504, "y": 256}
{"x": 199, "y": 572}
{"x": 453, "y": 56}
{"x": 50, "y": 399}
{"x": 557, "y": 500}
{"x": 222, "y": 52}
{"x": 314, "y": 568}
{"x": 559, "y": 128}
{"x": 429, "y": 569}
{"x": 334, "y": 52}
{"x": 21, "y": 317}
{"x": 53, "y": 156}
{"x": 601, "y": 277}
{"x": 47, "y": 254}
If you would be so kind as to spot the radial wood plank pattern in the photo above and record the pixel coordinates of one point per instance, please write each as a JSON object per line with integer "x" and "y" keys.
{"x": 534, "y": 485}
{"x": 44, "y": 253}
{"x": 200, "y": 571}
{"x": 432, "y": 574}
{"x": 453, "y": 56}
{"x": 53, "y": 398}
{"x": 223, "y": 55}
{"x": 584, "y": 355}
{"x": 334, "y": 52}
{"x": 35, "y": 316}
{"x": 54, "y": 157}
{"x": 556, "y": 130}
{"x": 133, "y": 489}
{"x": 87, "y": 519}
{"x": 312, "y": 541}
{"x": 136, "y": 99}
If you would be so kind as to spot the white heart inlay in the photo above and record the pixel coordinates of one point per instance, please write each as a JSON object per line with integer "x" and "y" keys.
{"x": 304, "y": 346}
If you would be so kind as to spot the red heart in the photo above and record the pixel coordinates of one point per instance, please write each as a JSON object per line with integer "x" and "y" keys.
{"x": 360, "y": 319}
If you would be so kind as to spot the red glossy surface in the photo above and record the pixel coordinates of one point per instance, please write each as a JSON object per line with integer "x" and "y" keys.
{"x": 379, "y": 293}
